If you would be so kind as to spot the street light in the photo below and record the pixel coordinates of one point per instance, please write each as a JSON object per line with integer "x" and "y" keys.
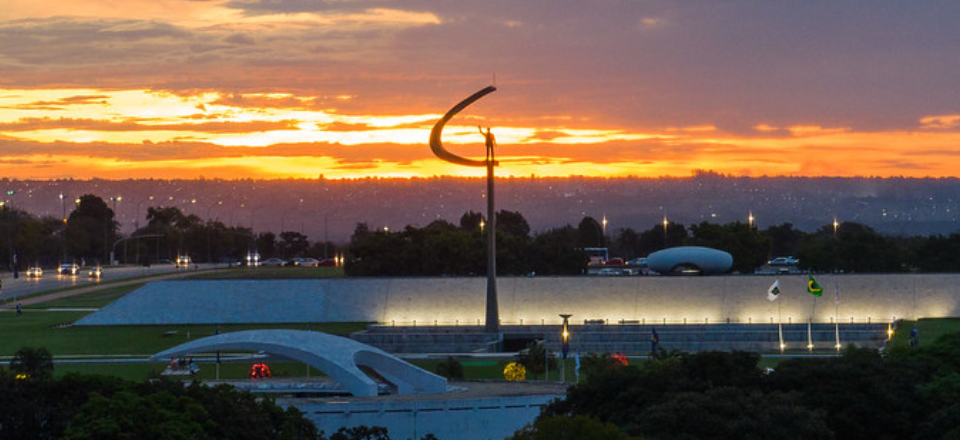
{"x": 63, "y": 244}
{"x": 750, "y": 219}
{"x": 136, "y": 221}
{"x": 136, "y": 225}
{"x": 665, "y": 223}
{"x": 564, "y": 346}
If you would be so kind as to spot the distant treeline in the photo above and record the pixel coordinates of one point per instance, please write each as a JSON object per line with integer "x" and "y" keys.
{"x": 442, "y": 248}
{"x": 91, "y": 233}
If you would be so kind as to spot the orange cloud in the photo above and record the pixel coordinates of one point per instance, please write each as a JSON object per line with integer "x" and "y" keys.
{"x": 85, "y": 133}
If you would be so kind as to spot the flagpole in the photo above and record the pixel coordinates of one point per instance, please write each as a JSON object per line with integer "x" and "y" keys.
{"x": 810, "y": 324}
{"x": 837, "y": 312}
{"x": 780, "y": 326}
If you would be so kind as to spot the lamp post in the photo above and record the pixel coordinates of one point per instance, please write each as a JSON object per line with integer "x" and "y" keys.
{"x": 564, "y": 346}
{"x": 63, "y": 231}
{"x": 136, "y": 224}
{"x": 665, "y": 223}
{"x": 836, "y": 281}
{"x": 209, "y": 228}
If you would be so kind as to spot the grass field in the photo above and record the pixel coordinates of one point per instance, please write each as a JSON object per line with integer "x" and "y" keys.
{"x": 97, "y": 299}
{"x": 928, "y": 330}
{"x": 50, "y": 329}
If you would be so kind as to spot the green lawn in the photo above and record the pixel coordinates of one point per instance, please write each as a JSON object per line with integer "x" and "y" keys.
{"x": 38, "y": 328}
{"x": 97, "y": 299}
{"x": 928, "y": 330}
{"x": 207, "y": 370}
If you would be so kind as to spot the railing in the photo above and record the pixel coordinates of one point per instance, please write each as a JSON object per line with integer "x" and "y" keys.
{"x": 553, "y": 322}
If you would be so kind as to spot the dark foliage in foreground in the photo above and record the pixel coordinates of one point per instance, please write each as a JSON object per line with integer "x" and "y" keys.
{"x": 101, "y": 407}
{"x": 36, "y": 406}
{"x": 907, "y": 393}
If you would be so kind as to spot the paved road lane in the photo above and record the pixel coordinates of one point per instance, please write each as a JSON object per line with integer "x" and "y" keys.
{"x": 23, "y": 286}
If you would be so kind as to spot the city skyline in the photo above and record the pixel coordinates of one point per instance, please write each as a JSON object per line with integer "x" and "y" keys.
{"x": 331, "y": 209}
{"x": 348, "y": 89}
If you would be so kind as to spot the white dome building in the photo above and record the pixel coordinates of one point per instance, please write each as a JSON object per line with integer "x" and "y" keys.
{"x": 690, "y": 260}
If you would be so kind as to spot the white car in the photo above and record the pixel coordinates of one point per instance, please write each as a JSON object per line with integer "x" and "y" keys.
{"x": 34, "y": 272}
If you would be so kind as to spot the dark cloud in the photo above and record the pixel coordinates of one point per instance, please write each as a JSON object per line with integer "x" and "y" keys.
{"x": 865, "y": 64}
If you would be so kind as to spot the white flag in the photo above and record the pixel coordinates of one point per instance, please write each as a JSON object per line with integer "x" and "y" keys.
{"x": 774, "y": 291}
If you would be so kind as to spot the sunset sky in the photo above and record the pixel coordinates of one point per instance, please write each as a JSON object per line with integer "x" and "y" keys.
{"x": 350, "y": 88}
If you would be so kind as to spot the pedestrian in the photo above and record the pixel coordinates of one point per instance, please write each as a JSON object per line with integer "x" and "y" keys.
{"x": 19, "y": 309}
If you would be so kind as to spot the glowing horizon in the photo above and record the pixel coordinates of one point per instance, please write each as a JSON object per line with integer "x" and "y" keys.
{"x": 254, "y": 89}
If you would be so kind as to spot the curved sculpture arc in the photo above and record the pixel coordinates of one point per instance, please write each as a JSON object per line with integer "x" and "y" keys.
{"x": 338, "y": 357}
{"x": 436, "y": 144}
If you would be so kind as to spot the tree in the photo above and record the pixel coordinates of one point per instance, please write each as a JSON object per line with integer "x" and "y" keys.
{"x": 626, "y": 244}
{"x": 553, "y": 253}
{"x": 853, "y": 248}
{"x": 292, "y": 244}
{"x": 748, "y": 246}
{"x": 470, "y": 221}
{"x": 91, "y": 229}
{"x": 536, "y": 358}
{"x": 266, "y": 244}
{"x": 590, "y": 233}
{"x": 512, "y": 223}
{"x": 654, "y": 239}
{"x": 34, "y": 363}
{"x": 784, "y": 240}
{"x": 569, "y": 428}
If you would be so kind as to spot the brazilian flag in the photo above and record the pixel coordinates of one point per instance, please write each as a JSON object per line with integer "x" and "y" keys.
{"x": 813, "y": 288}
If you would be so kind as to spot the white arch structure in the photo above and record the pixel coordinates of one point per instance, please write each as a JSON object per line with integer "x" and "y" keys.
{"x": 336, "y": 356}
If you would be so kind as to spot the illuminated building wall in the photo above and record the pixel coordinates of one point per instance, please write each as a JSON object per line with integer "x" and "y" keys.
{"x": 532, "y": 300}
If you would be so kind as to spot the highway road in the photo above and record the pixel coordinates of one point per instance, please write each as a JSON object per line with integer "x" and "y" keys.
{"x": 22, "y": 286}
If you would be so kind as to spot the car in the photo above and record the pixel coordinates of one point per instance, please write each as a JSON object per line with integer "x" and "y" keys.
{"x": 253, "y": 259}
{"x": 273, "y": 262}
{"x": 310, "y": 262}
{"x": 68, "y": 269}
{"x": 784, "y": 261}
{"x": 34, "y": 272}
{"x": 229, "y": 261}
{"x": 95, "y": 272}
{"x": 609, "y": 272}
{"x": 327, "y": 262}
{"x": 183, "y": 261}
